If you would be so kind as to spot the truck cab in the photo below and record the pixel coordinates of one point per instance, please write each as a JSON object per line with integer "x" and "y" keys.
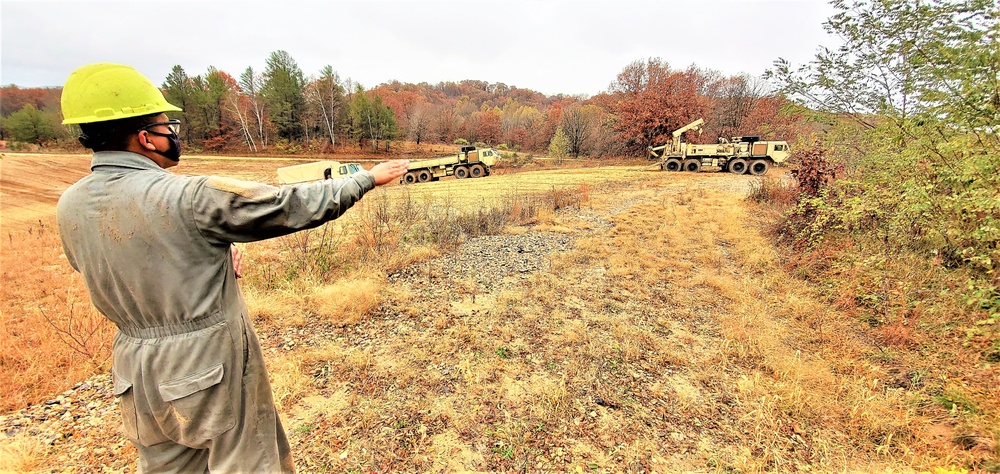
{"x": 487, "y": 156}
{"x": 778, "y": 151}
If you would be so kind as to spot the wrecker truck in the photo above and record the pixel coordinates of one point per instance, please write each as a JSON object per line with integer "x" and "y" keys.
{"x": 470, "y": 162}
{"x": 737, "y": 155}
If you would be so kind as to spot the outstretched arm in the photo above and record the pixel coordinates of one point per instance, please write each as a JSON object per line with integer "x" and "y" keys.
{"x": 228, "y": 210}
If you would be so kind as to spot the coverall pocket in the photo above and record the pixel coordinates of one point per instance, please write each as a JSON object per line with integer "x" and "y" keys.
{"x": 199, "y": 407}
{"x": 126, "y": 403}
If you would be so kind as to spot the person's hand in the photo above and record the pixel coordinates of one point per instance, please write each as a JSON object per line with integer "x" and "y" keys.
{"x": 389, "y": 171}
{"x": 237, "y": 260}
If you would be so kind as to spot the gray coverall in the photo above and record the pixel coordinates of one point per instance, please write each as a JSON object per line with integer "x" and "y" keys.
{"x": 154, "y": 250}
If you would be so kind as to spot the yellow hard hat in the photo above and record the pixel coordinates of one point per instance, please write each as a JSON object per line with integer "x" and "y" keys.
{"x": 106, "y": 91}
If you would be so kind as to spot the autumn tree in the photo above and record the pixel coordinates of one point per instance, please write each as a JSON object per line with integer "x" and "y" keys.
{"x": 775, "y": 116}
{"x": 900, "y": 59}
{"x": 15, "y": 98}
{"x": 403, "y": 100}
{"x": 517, "y": 121}
{"x": 485, "y": 126}
{"x": 420, "y": 122}
{"x": 544, "y": 132}
{"x": 223, "y": 126}
{"x": 734, "y": 100}
{"x": 652, "y": 100}
{"x": 445, "y": 123}
{"x": 578, "y": 125}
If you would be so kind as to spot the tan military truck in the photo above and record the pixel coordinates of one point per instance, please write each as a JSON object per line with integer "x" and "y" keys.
{"x": 316, "y": 170}
{"x": 470, "y": 162}
{"x": 737, "y": 155}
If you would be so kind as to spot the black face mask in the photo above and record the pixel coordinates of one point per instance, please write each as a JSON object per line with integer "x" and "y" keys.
{"x": 174, "y": 152}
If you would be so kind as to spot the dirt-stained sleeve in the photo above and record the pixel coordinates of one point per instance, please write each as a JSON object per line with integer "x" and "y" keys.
{"x": 229, "y": 210}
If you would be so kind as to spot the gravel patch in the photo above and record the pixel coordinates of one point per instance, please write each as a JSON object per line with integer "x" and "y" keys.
{"x": 88, "y": 405}
{"x": 490, "y": 261}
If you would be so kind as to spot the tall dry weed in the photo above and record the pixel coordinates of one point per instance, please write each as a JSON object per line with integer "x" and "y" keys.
{"x": 46, "y": 320}
{"x": 22, "y": 454}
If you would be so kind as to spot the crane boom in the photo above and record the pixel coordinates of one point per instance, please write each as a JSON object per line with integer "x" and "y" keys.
{"x": 680, "y": 131}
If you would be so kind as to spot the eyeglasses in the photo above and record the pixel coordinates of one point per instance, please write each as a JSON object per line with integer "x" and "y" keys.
{"x": 173, "y": 124}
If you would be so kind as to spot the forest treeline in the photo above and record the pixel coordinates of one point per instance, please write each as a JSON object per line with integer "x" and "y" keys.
{"x": 281, "y": 110}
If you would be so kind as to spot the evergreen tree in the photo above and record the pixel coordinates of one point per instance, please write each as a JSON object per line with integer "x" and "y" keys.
{"x": 371, "y": 120}
{"x": 284, "y": 95}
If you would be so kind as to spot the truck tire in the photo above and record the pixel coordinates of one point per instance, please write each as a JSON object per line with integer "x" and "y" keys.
{"x": 476, "y": 171}
{"x": 692, "y": 165}
{"x": 738, "y": 166}
{"x": 672, "y": 164}
{"x": 423, "y": 176}
{"x": 410, "y": 178}
{"x": 461, "y": 172}
{"x": 759, "y": 167}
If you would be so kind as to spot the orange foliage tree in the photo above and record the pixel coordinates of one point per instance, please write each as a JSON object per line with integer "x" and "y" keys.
{"x": 15, "y": 98}
{"x": 650, "y": 100}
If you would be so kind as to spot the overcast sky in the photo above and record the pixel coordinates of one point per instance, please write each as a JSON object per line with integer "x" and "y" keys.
{"x": 568, "y": 47}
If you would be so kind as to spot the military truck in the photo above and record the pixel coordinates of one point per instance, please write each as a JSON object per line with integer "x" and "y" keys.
{"x": 737, "y": 155}
{"x": 469, "y": 162}
{"x": 316, "y": 170}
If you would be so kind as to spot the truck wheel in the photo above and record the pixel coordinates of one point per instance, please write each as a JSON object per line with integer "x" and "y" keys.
{"x": 738, "y": 166}
{"x": 672, "y": 164}
{"x": 410, "y": 178}
{"x": 476, "y": 171}
{"x": 424, "y": 176}
{"x": 692, "y": 166}
{"x": 461, "y": 172}
{"x": 759, "y": 167}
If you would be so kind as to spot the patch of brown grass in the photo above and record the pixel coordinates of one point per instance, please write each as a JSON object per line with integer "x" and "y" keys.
{"x": 347, "y": 301}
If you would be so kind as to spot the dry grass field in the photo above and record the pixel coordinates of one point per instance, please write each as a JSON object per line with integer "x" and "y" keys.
{"x": 590, "y": 320}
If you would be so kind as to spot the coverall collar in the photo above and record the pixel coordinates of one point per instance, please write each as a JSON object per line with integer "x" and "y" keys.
{"x": 122, "y": 159}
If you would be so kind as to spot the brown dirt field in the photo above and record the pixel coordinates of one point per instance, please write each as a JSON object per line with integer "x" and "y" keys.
{"x": 30, "y": 185}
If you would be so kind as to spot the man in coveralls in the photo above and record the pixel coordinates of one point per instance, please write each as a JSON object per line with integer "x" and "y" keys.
{"x": 154, "y": 250}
